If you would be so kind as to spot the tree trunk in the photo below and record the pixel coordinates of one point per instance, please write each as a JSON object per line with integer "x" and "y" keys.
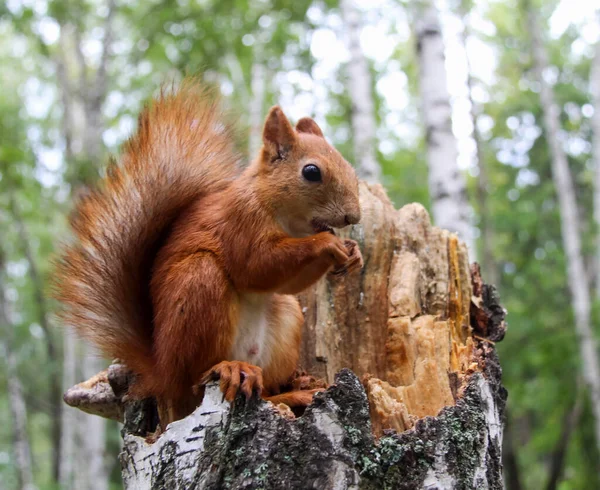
{"x": 570, "y": 224}
{"x": 16, "y": 400}
{"x": 83, "y": 92}
{"x": 559, "y": 455}
{"x": 416, "y": 324}
{"x": 18, "y": 411}
{"x": 488, "y": 262}
{"x": 51, "y": 351}
{"x": 93, "y": 469}
{"x": 447, "y": 187}
{"x": 360, "y": 90}
{"x": 595, "y": 90}
{"x": 258, "y": 82}
{"x": 69, "y": 417}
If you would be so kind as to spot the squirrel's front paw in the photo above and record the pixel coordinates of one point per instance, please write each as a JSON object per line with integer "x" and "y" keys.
{"x": 334, "y": 248}
{"x": 354, "y": 262}
{"x": 236, "y": 376}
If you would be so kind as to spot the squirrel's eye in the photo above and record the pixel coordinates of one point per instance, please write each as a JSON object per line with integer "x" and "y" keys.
{"x": 311, "y": 173}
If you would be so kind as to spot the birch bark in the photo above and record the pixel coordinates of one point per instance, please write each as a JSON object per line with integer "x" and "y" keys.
{"x": 446, "y": 183}
{"x": 94, "y": 439}
{"x": 570, "y": 224}
{"x": 363, "y": 110}
{"x": 69, "y": 416}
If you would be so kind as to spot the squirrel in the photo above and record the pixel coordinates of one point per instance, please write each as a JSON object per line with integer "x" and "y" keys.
{"x": 184, "y": 264}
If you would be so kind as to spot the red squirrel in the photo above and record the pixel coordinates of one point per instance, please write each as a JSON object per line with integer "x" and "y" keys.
{"x": 184, "y": 265}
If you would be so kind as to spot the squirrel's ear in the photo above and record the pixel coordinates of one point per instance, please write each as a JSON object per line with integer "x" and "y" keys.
{"x": 278, "y": 134}
{"x": 308, "y": 125}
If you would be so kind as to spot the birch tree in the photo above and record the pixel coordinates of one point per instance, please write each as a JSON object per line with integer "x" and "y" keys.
{"x": 595, "y": 91}
{"x": 16, "y": 400}
{"x": 68, "y": 417}
{"x": 569, "y": 217}
{"x": 488, "y": 263}
{"x": 83, "y": 93}
{"x": 363, "y": 107}
{"x": 52, "y": 352}
{"x": 447, "y": 187}
{"x": 258, "y": 86}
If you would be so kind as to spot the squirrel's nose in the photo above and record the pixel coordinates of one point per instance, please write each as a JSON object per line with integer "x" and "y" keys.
{"x": 352, "y": 218}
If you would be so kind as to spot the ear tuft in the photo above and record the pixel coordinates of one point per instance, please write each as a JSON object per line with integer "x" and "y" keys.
{"x": 278, "y": 134}
{"x": 308, "y": 125}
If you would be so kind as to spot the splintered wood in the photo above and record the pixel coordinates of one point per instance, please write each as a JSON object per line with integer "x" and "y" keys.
{"x": 403, "y": 322}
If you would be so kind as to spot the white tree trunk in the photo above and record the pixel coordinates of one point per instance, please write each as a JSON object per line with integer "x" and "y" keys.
{"x": 363, "y": 110}
{"x": 446, "y": 183}
{"x": 258, "y": 82}
{"x": 595, "y": 90}
{"x": 83, "y": 92}
{"x": 93, "y": 435}
{"x": 69, "y": 415}
{"x": 570, "y": 224}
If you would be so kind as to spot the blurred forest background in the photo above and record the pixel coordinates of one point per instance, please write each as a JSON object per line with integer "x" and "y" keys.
{"x": 485, "y": 111}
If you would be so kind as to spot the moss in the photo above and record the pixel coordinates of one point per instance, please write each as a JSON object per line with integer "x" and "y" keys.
{"x": 256, "y": 448}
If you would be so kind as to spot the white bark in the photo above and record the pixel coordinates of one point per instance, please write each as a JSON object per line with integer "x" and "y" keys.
{"x": 595, "y": 90}
{"x": 258, "y": 83}
{"x": 363, "y": 110}
{"x": 218, "y": 446}
{"x": 143, "y": 458}
{"x": 92, "y": 468}
{"x": 69, "y": 415}
{"x": 570, "y": 224}
{"x": 446, "y": 183}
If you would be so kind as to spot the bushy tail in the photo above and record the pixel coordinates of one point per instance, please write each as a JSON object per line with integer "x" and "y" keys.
{"x": 182, "y": 150}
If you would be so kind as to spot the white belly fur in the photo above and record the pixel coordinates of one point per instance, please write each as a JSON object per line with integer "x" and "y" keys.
{"x": 253, "y": 341}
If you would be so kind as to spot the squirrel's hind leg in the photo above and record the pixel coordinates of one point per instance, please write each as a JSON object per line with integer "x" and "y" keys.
{"x": 193, "y": 330}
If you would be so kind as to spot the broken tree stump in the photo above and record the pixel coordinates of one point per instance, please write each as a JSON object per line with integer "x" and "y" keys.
{"x": 416, "y": 400}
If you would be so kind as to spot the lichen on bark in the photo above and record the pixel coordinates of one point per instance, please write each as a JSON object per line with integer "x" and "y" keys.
{"x": 251, "y": 446}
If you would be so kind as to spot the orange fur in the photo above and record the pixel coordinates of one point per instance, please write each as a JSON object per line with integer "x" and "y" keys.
{"x": 181, "y": 261}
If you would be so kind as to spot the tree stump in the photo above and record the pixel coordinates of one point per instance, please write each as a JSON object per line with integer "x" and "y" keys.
{"x": 416, "y": 400}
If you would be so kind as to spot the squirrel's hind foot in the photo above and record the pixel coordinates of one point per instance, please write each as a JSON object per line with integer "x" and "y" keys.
{"x": 236, "y": 376}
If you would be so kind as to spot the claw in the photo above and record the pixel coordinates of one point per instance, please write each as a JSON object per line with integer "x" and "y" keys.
{"x": 231, "y": 374}
{"x": 354, "y": 262}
